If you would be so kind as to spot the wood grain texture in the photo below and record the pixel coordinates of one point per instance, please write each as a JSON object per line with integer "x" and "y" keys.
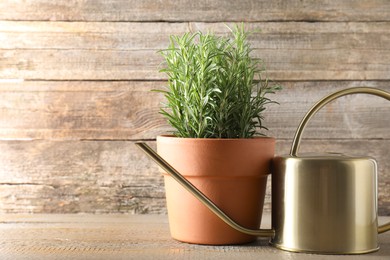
{"x": 91, "y": 110}
{"x": 98, "y": 177}
{"x": 131, "y": 237}
{"x": 80, "y": 110}
{"x": 128, "y": 51}
{"x": 114, "y": 176}
{"x": 75, "y": 81}
{"x": 188, "y": 10}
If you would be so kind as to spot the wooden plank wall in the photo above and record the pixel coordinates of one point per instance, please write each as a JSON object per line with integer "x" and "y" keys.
{"x": 75, "y": 81}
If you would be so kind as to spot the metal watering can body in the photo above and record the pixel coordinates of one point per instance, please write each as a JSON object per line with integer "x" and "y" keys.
{"x": 325, "y": 204}
{"x": 321, "y": 203}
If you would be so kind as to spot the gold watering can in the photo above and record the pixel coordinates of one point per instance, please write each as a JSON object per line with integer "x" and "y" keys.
{"x": 321, "y": 203}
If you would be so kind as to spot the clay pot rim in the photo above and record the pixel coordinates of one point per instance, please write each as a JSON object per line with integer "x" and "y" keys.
{"x": 220, "y": 177}
{"x": 168, "y": 137}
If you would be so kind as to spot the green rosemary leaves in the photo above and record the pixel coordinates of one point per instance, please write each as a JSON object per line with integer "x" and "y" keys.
{"x": 215, "y": 89}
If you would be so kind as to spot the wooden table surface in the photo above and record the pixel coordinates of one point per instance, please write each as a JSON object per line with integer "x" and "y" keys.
{"x": 128, "y": 237}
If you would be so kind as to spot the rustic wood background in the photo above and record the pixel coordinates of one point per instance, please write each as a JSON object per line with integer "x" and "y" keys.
{"x": 76, "y": 75}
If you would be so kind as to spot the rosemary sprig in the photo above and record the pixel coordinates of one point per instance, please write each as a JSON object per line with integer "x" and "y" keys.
{"x": 215, "y": 89}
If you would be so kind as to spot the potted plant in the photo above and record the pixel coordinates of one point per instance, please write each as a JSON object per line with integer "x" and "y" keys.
{"x": 214, "y": 100}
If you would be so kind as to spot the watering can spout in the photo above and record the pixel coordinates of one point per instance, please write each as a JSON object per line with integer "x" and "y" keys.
{"x": 200, "y": 196}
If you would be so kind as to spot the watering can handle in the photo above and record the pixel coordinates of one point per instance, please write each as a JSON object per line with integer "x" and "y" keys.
{"x": 322, "y": 103}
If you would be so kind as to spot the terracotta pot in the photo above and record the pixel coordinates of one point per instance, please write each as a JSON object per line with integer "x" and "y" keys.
{"x": 231, "y": 172}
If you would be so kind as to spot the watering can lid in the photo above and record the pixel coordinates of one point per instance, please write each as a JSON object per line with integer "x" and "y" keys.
{"x": 325, "y": 156}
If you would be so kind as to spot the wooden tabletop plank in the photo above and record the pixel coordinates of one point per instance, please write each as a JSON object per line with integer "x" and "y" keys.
{"x": 94, "y": 110}
{"x": 128, "y": 237}
{"x": 116, "y": 177}
{"x": 128, "y": 51}
{"x": 189, "y": 10}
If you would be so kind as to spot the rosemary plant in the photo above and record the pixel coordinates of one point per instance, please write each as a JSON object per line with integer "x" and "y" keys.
{"x": 215, "y": 89}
